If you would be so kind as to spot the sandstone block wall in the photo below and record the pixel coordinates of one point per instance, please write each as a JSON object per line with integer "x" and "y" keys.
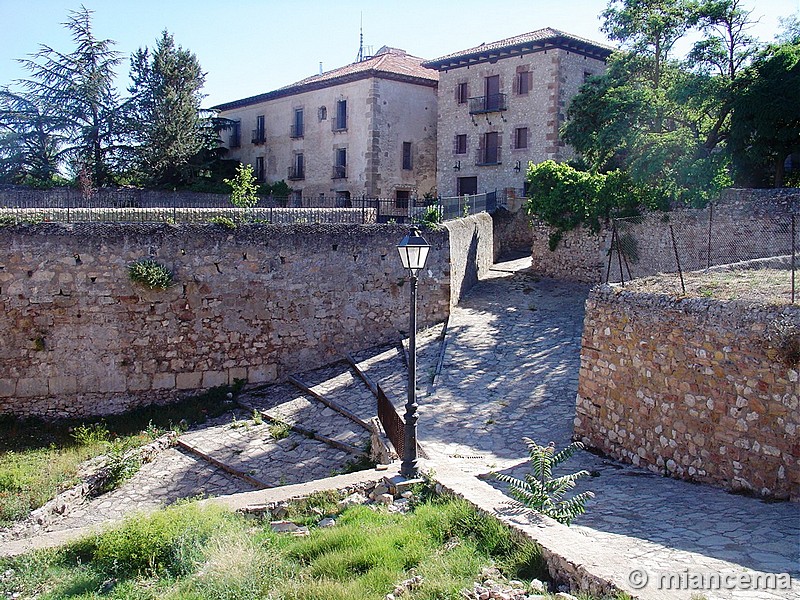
{"x": 691, "y": 388}
{"x": 513, "y": 229}
{"x": 259, "y": 302}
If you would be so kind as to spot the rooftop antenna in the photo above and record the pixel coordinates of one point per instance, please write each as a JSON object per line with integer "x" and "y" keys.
{"x": 320, "y": 67}
{"x": 361, "y": 38}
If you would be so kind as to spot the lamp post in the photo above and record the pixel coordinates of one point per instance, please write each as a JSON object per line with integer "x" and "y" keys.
{"x": 413, "y": 254}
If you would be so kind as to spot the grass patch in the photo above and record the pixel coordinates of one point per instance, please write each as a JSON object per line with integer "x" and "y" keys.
{"x": 770, "y": 286}
{"x": 194, "y": 552}
{"x": 39, "y": 459}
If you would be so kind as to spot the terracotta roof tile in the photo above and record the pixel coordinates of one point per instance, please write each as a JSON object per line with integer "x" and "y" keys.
{"x": 388, "y": 62}
{"x": 540, "y": 35}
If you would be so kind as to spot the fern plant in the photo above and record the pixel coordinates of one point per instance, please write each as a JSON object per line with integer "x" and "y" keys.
{"x": 543, "y": 492}
{"x": 150, "y": 273}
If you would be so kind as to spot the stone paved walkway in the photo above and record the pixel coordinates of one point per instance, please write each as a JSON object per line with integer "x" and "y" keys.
{"x": 511, "y": 369}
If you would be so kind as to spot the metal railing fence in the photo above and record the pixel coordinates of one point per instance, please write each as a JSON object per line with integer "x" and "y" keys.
{"x": 290, "y": 210}
{"x": 392, "y": 423}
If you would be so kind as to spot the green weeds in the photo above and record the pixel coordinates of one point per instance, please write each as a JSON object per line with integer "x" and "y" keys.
{"x": 39, "y": 459}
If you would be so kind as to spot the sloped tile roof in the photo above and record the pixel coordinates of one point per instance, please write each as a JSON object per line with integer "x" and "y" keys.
{"x": 388, "y": 63}
{"x": 519, "y": 44}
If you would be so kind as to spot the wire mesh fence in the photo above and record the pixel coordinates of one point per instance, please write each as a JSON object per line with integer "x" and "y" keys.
{"x": 293, "y": 210}
{"x": 709, "y": 252}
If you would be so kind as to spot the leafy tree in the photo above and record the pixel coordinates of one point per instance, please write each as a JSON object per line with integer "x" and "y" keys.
{"x": 663, "y": 121}
{"x": 790, "y": 29}
{"x": 727, "y": 45}
{"x": 765, "y": 125}
{"x": 648, "y": 28}
{"x": 168, "y": 128}
{"x": 565, "y": 197}
{"x": 244, "y": 189}
{"x": 75, "y": 94}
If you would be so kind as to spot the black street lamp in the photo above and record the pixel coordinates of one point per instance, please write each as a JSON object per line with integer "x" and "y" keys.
{"x": 413, "y": 254}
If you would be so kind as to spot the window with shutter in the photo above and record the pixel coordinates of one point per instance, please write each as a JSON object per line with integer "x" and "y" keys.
{"x": 520, "y": 138}
{"x": 524, "y": 82}
{"x": 340, "y": 122}
{"x": 462, "y": 93}
{"x": 297, "y": 125}
{"x": 460, "y": 144}
{"x": 407, "y": 164}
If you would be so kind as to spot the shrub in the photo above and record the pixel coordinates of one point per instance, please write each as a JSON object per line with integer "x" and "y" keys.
{"x": 543, "y": 492}
{"x": 243, "y": 187}
{"x": 224, "y": 221}
{"x": 93, "y": 433}
{"x": 122, "y": 462}
{"x": 279, "y": 430}
{"x": 565, "y": 197}
{"x": 150, "y": 274}
{"x": 431, "y": 217}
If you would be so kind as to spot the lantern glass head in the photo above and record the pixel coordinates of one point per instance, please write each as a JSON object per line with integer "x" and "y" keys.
{"x": 413, "y": 251}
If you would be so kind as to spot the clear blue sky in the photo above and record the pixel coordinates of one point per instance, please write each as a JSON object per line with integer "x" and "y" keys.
{"x": 248, "y": 47}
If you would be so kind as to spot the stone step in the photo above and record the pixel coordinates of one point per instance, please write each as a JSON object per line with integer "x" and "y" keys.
{"x": 340, "y": 385}
{"x": 248, "y": 447}
{"x": 284, "y": 402}
{"x": 332, "y": 404}
{"x": 386, "y": 365}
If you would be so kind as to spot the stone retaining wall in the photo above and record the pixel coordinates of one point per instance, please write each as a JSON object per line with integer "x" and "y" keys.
{"x": 513, "y": 230}
{"x": 745, "y": 225}
{"x": 693, "y": 388}
{"x": 257, "y": 302}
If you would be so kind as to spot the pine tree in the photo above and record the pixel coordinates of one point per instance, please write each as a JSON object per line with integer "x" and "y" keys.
{"x": 75, "y": 94}
{"x": 29, "y": 142}
{"x": 167, "y": 125}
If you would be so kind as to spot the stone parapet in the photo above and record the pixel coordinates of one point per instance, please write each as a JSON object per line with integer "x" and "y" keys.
{"x": 693, "y": 388}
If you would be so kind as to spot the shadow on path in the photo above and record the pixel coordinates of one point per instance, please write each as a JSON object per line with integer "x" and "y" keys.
{"x": 511, "y": 371}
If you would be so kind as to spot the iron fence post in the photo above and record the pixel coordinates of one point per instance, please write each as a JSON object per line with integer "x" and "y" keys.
{"x": 677, "y": 258}
{"x": 710, "y": 220}
{"x": 793, "y": 254}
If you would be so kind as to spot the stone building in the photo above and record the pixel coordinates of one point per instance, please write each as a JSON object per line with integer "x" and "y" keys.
{"x": 368, "y": 128}
{"x": 501, "y": 106}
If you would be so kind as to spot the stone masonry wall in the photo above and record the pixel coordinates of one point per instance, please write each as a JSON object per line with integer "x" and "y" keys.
{"x": 471, "y": 252}
{"x": 579, "y": 256}
{"x": 692, "y": 388}
{"x": 512, "y": 230}
{"x": 258, "y": 302}
{"x": 745, "y": 225}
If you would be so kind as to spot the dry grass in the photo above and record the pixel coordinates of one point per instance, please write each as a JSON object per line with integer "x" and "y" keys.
{"x": 765, "y": 286}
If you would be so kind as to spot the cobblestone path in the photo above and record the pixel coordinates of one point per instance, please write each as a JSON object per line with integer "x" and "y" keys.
{"x": 511, "y": 370}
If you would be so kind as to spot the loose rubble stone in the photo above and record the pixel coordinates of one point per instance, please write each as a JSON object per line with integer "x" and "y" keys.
{"x": 283, "y": 526}
{"x": 352, "y": 500}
